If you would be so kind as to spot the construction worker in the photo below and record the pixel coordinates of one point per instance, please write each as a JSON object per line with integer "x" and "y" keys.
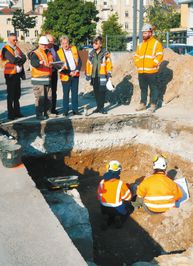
{"x": 158, "y": 193}
{"x": 113, "y": 195}
{"x": 41, "y": 60}
{"x": 69, "y": 74}
{"x": 13, "y": 60}
{"x": 54, "y": 78}
{"x": 148, "y": 57}
{"x": 98, "y": 71}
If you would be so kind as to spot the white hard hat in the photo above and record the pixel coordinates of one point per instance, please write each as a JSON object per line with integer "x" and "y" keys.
{"x": 114, "y": 166}
{"x": 43, "y": 40}
{"x": 159, "y": 162}
{"x": 147, "y": 27}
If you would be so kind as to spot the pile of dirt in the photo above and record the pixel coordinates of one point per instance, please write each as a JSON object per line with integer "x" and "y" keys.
{"x": 176, "y": 79}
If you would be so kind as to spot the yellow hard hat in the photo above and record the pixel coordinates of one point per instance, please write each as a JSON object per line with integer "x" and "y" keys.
{"x": 114, "y": 166}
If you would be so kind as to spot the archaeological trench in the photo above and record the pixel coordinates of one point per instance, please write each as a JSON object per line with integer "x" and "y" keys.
{"x": 82, "y": 147}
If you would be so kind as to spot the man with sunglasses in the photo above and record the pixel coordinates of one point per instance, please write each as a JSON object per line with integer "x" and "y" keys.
{"x": 13, "y": 60}
{"x": 158, "y": 193}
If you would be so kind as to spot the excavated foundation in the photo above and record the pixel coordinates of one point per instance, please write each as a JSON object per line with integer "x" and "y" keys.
{"x": 142, "y": 237}
{"x": 83, "y": 147}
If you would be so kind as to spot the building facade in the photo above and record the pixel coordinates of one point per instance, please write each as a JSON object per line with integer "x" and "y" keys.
{"x": 187, "y": 19}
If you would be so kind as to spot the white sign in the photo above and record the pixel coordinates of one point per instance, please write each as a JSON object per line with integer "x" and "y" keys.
{"x": 182, "y": 183}
{"x": 4, "y": 3}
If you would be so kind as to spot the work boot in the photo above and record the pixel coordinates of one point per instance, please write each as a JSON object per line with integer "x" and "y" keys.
{"x": 141, "y": 107}
{"x": 152, "y": 108}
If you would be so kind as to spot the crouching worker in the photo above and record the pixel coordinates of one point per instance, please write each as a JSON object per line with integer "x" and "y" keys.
{"x": 158, "y": 192}
{"x": 113, "y": 195}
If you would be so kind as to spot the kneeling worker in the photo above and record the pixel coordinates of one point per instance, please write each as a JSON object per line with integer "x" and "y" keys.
{"x": 112, "y": 194}
{"x": 158, "y": 192}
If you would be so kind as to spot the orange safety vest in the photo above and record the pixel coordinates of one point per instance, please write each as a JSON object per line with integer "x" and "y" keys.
{"x": 10, "y": 68}
{"x": 105, "y": 66}
{"x": 111, "y": 193}
{"x": 159, "y": 192}
{"x": 60, "y": 52}
{"x": 148, "y": 56}
{"x": 42, "y": 74}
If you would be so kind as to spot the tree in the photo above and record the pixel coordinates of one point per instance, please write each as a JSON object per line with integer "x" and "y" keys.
{"x": 164, "y": 17}
{"x": 74, "y": 18}
{"x": 23, "y": 22}
{"x": 114, "y": 35}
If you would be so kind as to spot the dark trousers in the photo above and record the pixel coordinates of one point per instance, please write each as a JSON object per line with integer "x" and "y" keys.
{"x": 70, "y": 85}
{"x": 54, "y": 80}
{"x": 151, "y": 81}
{"x": 99, "y": 92}
{"x": 13, "y": 95}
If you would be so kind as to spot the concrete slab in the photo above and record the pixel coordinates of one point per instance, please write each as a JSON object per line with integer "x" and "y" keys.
{"x": 30, "y": 233}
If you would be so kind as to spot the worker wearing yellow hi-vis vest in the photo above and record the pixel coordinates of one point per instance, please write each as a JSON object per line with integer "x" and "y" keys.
{"x": 98, "y": 71}
{"x": 13, "y": 60}
{"x": 158, "y": 192}
{"x": 69, "y": 74}
{"x": 147, "y": 59}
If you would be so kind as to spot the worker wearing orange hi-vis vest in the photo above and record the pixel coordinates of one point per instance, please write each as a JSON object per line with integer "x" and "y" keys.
{"x": 13, "y": 60}
{"x": 158, "y": 192}
{"x": 147, "y": 59}
{"x": 112, "y": 194}
{"x": 69, "y": 74}
{"x": 41, "y": 60}
{"x": 98, "y": 71}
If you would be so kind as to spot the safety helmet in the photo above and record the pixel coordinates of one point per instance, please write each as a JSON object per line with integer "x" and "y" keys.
{"x": 43, "y": 40}
{"x": 147, "y": 27}
{"x": 160, "y": 162}
{"x": 114, "y": 166}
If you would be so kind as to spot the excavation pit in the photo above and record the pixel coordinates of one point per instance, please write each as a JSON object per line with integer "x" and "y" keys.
{"x": 143, "y": 236}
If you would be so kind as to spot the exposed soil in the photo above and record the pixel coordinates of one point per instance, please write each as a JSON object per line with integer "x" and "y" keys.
{"x": 143, "y": 236}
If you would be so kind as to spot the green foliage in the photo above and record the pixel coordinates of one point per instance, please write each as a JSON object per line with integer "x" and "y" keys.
{"x": 22, "y": 21}
{"x": 74, "y": 18}
{"x": 164, "y": 17}
{"x": 113, "y": 33}
{"x": 1, "y": 39}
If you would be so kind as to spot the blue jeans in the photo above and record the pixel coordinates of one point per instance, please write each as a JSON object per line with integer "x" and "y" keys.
{"x": 71, "y": 85}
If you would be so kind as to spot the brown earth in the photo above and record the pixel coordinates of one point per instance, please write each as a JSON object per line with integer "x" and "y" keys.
{"x": 143, "y": 236}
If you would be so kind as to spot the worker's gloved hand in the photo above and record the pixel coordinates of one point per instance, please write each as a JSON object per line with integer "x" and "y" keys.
{"x": 138, "y": 203}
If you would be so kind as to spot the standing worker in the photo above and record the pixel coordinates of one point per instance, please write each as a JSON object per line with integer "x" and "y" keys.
{"x": 99, "y": 70}
{"x": 158, "y": 192}
{"x": 148, "y": 57}
{"x": 41, "y": 60}
{"x": 69, "y": 74}
{"x": 13, "y": 60}
{"x": 112, "y": 194}
{"x": 54, "y": 78}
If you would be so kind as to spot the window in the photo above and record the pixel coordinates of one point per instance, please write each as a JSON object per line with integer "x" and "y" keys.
{"x": 8, "y": 21}
{"x": 27, "y": 33}
{"x": 17, "y": 33}
{"x": 105, "y": 3}
{"x": 95, "y": 2}
{"x": 8, "y": 32}
{"x": 126, "y": 26}
{"x": 126, "y": 14}
{"x": 36, "y": 33}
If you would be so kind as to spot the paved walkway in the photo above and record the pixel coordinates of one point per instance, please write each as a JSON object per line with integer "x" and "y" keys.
{"x": 30, "y": 232}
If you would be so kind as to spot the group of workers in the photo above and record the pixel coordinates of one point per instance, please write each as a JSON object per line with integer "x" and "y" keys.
{"x": 47, "y": 60}
{"x": 157, "y": 193}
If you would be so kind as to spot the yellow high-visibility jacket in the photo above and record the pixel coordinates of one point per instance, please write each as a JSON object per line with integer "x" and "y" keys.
{"x": 105, "y": 70}
{"x": 113, "y": 192}
{"x": 64, "y": 76}
{"x": 159, "y": 192}
{"x": 148, "y": 56}
{"x": 10, "y": 68}
{"x": 42, "y": 74}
